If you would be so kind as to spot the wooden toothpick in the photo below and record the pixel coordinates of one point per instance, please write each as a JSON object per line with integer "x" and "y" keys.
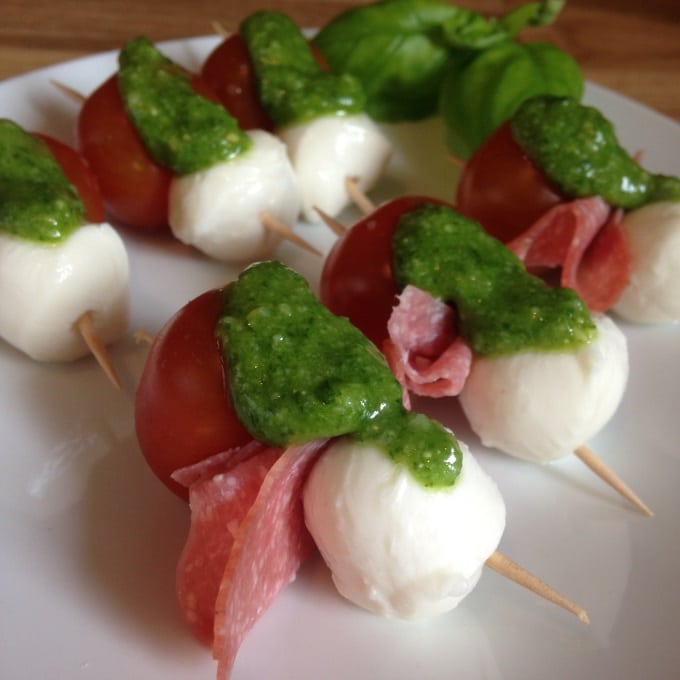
{"x": 506, "y": 567}
{"x": 71, "y": 93}
{"x": 278, "y": 227}
{"x": 336, "y": 227}
{"x": 85, "y": 326}
{"x": 610, "y": 477}
{"x": 358, "y": 196}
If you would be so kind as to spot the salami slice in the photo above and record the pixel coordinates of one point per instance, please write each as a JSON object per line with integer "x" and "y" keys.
{"x": 219, "y": 499}
{"x": 577, "y": 234}
{"x": 219, "y": 463}
{"x": 269, "y": 546}
{"x": 423, "y": 349}
{"x": 606, "y": 267}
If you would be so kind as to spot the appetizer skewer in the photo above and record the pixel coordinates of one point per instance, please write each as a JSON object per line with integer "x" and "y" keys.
{"x": 319, "y": 470}
{"x": 231, "y": 194}
{"x": 504, "y": 414}
{"x": 319, "y": 115}
{"x": 556, "y": 186}
{"x": 267, "y": 220}
{"x": 64, "y": 271}
{"x": 333, "y": 412}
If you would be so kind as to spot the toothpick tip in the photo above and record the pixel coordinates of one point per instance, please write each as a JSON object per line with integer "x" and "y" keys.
{"x": 85, "y": 326}
{"x": 506, "y": 567}
{"x": 70, "y": 92}
{"x": 606, "y": 474}
{"x": 272, "y": 224}
{"x": 336, "y": 227}
{"x": 357, "y": 195}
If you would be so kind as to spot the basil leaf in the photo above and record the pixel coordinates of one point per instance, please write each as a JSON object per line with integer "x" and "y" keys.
{"x": 401, "y": 50}
{"x": 484, "y": 89}
{"x": 397, "y": 49}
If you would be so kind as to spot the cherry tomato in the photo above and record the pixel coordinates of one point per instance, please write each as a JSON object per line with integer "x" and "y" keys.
{"x": 356, "y": 280}
{"x": 229, "y": 71}
{"x": 79, "y": 173}
{"x": 502, "y": 189}
{"x": 183, "y": 411}
{"x": 134, "y": 186}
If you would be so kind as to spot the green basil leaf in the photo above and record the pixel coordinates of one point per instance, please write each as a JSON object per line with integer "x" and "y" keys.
{"x": 401, "y": 50}
{"x": 396, "y": 49}
{"x": 483, "y": 90}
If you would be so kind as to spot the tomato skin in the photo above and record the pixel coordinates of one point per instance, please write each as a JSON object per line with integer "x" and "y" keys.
{"x": 79, "y": 173}
{"x": 183, "y": 411}
{"x": 357, "y": 280}
{"x": 134, "y": 186}
{"x": 502, "y": 189}
{"x": 229, "y": 71}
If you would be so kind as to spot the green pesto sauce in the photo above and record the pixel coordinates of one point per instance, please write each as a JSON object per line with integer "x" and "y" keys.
{"x": 293, "y": 88}
{"x": 501, "y": 308}
{"x": 181, "y": 129}
{"x": 298, "y": 373}
{"x": 37, "y": 202}
{"x": 577, "y": 148}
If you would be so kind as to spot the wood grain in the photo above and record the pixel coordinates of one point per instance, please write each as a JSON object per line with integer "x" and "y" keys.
{"x": 630, "y": 46}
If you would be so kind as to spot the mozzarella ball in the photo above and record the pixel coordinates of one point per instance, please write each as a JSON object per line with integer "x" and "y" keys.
{"x": 48, "y": 287}
{"x": 393, "y": 546}
{"x": 653, "y": 293}
{"x": 327, "y": 151}
{"x": 541, "y": 406}
{"x": 219, "y": 210}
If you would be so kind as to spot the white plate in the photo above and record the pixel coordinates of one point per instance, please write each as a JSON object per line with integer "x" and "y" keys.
{"x": 89, "y": 538}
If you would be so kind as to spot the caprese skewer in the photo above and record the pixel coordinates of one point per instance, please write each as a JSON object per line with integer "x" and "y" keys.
{"x": 507, "y": 325}
{"x": 303, "y": 432}
{"x": 274, "y": 77}
{"x": 63, "y": 270}
{"x": 556, "y": 186}
{"x": 167, "y": 153}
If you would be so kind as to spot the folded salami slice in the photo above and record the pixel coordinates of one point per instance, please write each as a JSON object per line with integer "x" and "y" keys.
{"x": 423, "y": 350}
{"x": 606, "y": 267}
{"x": 218, "y": 463}
{"x": 584, "y": 239}
{"x": 222, "y": 491}
{"x": 269, "y": 546}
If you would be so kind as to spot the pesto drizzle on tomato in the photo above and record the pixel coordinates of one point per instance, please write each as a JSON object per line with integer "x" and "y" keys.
{"x": 297, "y": 373}
{"x": 293, "y": 88}
{"x": 37, "y": 202}
{"x": 502, "y": 309}
{"x": 577, "y": 149}
{"x": 181, "y": 129}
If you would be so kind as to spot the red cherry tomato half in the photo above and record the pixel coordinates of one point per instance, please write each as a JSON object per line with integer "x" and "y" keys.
{"x": 135, "y": 188}
{"x": 79, "y": 173}
{"x": 502, "y": 189}
{"x": 356, "y": 280}
{"x": 229, "y": 71}
{"x": 183, "y": 411}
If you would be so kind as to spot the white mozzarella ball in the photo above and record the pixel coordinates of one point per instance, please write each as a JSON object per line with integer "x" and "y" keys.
{"x": 219, "y": 210}
{"x": 48, "y": 287}
{"x": 541, "y": 406}
{"x": 327, "y": 151}
{"x": 653, "y": 293}
{"x": 393, "y": 546}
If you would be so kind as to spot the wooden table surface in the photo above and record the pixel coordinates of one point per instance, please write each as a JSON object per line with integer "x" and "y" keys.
{"x": 631, "y": 46}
